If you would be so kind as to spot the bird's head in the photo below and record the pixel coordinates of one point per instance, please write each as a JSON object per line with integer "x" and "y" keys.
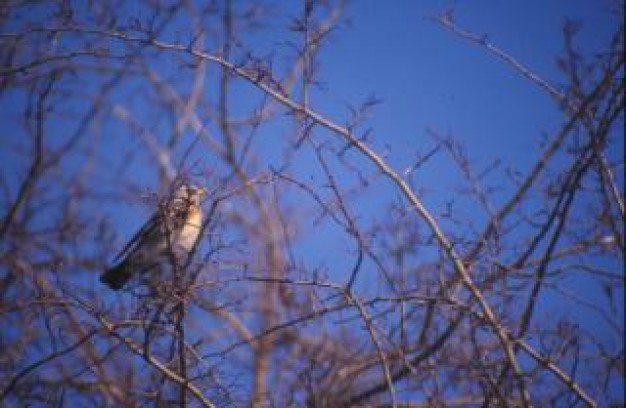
{"x": 190, "y": 193}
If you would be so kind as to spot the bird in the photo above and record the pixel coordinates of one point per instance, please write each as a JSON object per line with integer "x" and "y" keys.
{"x": 168, "y": 236}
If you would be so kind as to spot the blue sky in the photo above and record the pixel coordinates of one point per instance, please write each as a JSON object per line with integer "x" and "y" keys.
{"x": 428, "y": 78}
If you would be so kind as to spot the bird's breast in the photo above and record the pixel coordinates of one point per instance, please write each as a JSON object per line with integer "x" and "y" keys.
{"x": 191, "y": 229}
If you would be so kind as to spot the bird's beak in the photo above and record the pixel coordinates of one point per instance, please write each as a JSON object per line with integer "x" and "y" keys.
{"x": 200, "y": 193}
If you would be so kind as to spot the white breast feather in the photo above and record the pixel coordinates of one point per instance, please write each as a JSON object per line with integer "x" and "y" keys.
{"x": 191, "y": 230}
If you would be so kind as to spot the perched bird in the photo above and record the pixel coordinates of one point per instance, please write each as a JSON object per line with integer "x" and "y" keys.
{"x": 167, "y": 237}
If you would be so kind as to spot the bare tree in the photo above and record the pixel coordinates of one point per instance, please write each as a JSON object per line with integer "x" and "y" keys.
{"x": 106, "y": 105}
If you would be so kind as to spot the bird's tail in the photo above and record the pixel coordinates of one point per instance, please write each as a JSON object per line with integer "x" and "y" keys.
{"x": 117, "y": 276}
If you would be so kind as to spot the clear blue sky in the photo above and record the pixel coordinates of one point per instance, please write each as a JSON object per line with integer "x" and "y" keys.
{"x": 428, "y": 77}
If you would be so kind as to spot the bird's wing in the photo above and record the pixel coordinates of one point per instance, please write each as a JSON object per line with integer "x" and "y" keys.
{"x": 147, "y": 230}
